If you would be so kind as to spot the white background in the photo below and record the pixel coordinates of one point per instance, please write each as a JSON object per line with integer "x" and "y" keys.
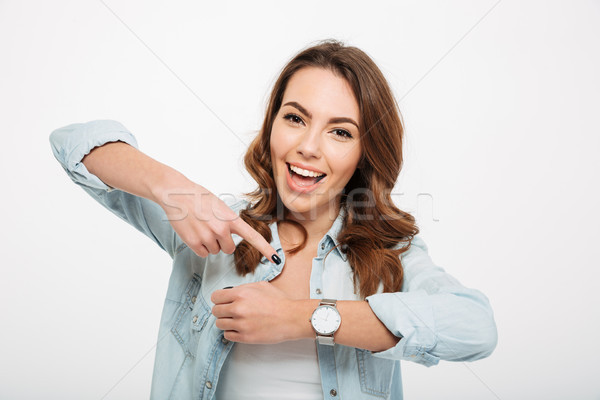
{"x": 500, "y": 101}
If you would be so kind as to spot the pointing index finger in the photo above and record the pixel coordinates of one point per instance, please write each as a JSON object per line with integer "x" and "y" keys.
{"x": 241, "y": 228}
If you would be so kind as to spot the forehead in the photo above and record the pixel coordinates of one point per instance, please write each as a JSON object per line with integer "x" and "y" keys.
{"x": 322, "y": 93}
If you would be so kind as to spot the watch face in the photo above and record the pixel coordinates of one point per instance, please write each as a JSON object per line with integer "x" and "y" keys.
{"x": 326, "y": 320}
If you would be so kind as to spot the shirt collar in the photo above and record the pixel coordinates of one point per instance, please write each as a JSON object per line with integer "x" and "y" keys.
{"x": 334, "y": 231}
{"x": 330, "y": 236}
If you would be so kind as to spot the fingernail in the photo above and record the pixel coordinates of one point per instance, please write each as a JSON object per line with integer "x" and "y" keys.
{"x": 228, "y": 287}
{"x": 276, "y": 259}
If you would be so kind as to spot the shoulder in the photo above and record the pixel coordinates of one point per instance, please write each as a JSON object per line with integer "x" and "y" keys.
{"x": 416, "y": 246}
{"x": 416, "y": 259}
{"x": 236, "y": 204}
{"x": 417, "y": 241}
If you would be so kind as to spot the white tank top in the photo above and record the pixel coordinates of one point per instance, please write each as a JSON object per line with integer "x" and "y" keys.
{"x": 287, "y": 370}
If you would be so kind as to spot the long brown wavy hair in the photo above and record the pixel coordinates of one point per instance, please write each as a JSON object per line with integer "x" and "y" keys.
{"x": 373, "y": 227}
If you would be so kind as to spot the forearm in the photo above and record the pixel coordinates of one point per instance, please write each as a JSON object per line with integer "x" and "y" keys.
{"x": 360, "y": 327}
{"x": 124, "y": 167}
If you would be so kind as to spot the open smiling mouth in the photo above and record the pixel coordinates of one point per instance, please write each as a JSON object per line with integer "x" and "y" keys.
{"x": 302, "y": 178}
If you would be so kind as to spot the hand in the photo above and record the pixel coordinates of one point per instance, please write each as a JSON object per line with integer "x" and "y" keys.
{"x": 205, "y": 223}
{"x": 255, "y": 312}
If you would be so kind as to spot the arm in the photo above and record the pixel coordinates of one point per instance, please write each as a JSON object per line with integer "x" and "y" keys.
{"x": 156, "y": 199}
{"x": 433, "y": 318}
{"x": 360, "y": 326}
{"x": 122, "y": 166}
{"x": 110, "y": 151}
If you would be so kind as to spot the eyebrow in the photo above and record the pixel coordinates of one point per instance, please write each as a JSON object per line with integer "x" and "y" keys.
{"x": 335, "y": 120}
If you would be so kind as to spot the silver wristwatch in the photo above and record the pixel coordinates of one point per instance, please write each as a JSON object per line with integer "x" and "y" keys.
{"x": 325, "y": 321}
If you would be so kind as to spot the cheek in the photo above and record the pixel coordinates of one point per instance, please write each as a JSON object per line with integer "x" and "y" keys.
{"x": 348, "y": 172}
{"x": 345, "y": 162}
{"x": 280, "y": 142}
{"x": 275, "y": 143}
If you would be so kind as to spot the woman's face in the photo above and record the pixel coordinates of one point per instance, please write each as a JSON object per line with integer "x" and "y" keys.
{"x": 315, "y": 143}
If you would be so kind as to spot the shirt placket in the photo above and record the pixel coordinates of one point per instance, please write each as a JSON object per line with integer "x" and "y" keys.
{"x": 221, "y": 346}
{"x": 218, "y": 355}
{"x": 326, "y": 355}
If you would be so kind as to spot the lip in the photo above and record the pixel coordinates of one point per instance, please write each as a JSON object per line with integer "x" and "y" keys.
{"x": 301, "y": 189}
{"x": 306, "y": 167}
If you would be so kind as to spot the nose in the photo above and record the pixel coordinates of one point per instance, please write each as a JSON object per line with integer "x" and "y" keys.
{"x": 309, "y": 144}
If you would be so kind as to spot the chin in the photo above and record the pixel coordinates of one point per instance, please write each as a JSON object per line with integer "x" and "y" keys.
{"x": 297, "y": 204}
{"x": 309, "y": 202}
{"x": 309, "y": 208}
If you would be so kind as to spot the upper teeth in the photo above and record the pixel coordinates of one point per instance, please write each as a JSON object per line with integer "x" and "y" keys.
{"x": 304, "y": 172}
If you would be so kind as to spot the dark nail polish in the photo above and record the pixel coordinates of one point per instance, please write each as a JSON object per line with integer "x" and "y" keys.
{"x": 228, "y": 287}
{"x": 276, "y": 259}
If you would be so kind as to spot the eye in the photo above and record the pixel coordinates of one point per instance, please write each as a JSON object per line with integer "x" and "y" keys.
{"x": 293, "y": 118}
{"x": 343, "y": 133}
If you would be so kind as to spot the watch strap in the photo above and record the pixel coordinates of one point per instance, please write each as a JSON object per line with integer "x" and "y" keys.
{"x": 328, "y": 302}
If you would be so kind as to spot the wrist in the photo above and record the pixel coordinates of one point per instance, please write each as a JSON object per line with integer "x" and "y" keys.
{"x": 170, "y": 182}
{"x": 302, "y": 311}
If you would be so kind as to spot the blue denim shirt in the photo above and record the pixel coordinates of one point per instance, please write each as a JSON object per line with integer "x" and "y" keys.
{"x": 435, "y": 316}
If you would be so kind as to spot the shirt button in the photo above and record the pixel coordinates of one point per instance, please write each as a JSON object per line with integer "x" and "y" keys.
{"x": 333, "y": 392}
{"x": 224, "y": 341}
{"x": 193, "y": 299}
{"x": 318, "y": 291}
{"x": 322, "y": 246}
{"x": 209, "y": 384}
{"x": 195, "y": 319}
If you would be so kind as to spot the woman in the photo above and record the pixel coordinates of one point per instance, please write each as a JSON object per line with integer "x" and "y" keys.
{"x": 323, "y": 285}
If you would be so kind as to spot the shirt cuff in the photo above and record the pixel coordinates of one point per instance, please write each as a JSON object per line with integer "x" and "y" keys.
{"x": 73, "y": 142}
{"x": 409, "y": 316}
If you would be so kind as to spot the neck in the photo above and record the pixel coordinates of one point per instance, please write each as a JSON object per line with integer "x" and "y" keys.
{"x": 316, "y": 222}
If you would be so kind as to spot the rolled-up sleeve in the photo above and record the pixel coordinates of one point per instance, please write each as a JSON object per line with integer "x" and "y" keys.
{"x": 435, "y": 317}
{"x": 70, "y": 144}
